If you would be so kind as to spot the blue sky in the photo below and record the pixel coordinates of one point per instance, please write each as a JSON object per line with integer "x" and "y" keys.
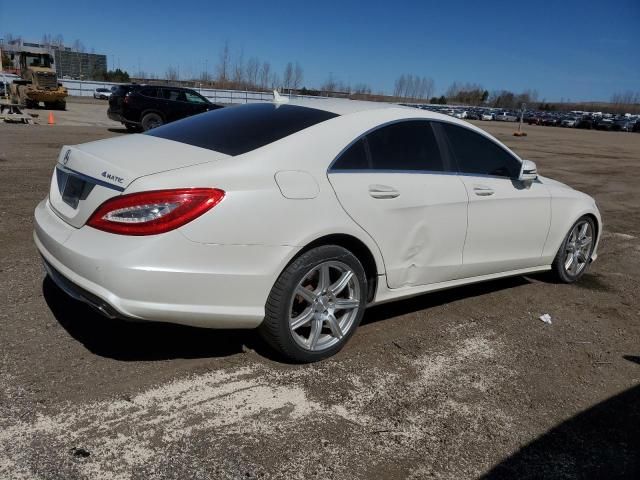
{"x": 577, "y": 50}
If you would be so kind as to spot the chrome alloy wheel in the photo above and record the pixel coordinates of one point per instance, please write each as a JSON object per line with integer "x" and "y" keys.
{"x": 578, "y": 248}
{"x": 324, "y": 306}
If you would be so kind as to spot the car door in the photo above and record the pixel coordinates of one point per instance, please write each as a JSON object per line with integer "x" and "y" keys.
{"x": 396, "y": 185}
{"x": 176, "y": 106}
{"x": 508, "y": 220}
{"x": 197, "y": 103}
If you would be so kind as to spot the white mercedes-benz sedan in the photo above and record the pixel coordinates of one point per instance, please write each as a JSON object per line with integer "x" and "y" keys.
{"x": 294, "y": 217}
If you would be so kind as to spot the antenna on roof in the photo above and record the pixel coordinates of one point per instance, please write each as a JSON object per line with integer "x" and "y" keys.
{"x": 279, "y": 98}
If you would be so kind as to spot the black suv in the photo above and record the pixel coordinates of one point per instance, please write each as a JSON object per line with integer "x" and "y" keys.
{"x": 149, "y": 106}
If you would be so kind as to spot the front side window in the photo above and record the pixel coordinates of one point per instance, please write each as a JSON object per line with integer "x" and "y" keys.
{"x": 478, "y": 155}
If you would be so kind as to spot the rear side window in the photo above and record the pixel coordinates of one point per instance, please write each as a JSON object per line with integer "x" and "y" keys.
{"x": 405, "y": 146}
{"x": 354, "y": 158}
{"x": 149, "y": 92}
{"x": 238, "y": 130}
{"x": 478, "y": 155}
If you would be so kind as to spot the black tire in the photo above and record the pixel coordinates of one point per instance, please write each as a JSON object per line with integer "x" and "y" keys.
{"x": 559, "y": 270}
{"x": 275, "y": 328}
{"x": 151, "y": 120}
{"x": 61, "y": 105}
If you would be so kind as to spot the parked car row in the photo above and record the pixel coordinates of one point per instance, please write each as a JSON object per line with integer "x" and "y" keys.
{"x": 474, "y": 113}
{"x": 575, "y": 119}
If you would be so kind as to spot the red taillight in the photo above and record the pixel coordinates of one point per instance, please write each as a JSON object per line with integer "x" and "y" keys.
{"x": 126, "y": 97}
{"x": 150, "y": 213}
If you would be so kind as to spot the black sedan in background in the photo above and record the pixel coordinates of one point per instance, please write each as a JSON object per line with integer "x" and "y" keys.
{"x": 143, "y": 107}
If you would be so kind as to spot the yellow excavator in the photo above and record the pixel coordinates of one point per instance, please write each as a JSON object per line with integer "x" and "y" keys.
{"x": 38, "y": 80}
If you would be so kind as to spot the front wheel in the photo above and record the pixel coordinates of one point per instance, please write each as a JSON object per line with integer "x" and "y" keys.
{"x": 316, "y": 304}
{"x": 574, "y": 254}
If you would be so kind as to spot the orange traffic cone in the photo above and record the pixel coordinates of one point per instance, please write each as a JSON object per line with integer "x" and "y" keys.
{"x": 52, "y": 121}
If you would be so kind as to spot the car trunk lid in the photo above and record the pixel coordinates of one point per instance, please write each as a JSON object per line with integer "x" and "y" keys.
{"x": 87, "y": 175}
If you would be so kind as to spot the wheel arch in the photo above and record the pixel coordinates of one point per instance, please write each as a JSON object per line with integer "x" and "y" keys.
{"x": 552, "y": 246}
{"x": 152, "y": 110}
{"x": 355, "y": 246}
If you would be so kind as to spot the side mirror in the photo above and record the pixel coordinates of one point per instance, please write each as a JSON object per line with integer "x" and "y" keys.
{"x": 529, "y": 171}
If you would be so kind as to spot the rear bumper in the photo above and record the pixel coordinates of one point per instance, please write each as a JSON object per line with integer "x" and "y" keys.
{"x": 162, "y": 277}
{"x": 117, "y": 117}
{"x": 114, "y": 116}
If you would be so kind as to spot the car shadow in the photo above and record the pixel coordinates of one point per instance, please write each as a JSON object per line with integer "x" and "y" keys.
{"x": 144, "y": 341}
{"x": 435, "y": 299}
{"x": 601, "y": 442}
{"x": 118, "y": 130}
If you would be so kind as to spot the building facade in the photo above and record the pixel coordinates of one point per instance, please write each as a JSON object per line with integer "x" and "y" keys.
{"x": 78, "y": 65}
{"x": 68, "y": 62}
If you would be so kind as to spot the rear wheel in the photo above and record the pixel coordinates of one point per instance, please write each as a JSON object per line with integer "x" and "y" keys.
{"x": 316, "y": 304}
{"x": 151, "y": 120}
{"x": 574, "y": 254}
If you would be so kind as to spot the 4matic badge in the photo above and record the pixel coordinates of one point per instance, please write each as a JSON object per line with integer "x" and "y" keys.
{"x": 111, "y": 177}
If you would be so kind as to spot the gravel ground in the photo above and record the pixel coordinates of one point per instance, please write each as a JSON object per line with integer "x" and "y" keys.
{"x": 465, "y": 383}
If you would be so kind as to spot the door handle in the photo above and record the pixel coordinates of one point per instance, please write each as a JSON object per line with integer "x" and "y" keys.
{"x": 383, "y": 191}
{"x": 483, "y": 191}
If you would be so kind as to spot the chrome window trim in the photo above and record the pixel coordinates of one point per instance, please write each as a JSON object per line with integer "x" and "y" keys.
{"x": 378, "y": 127}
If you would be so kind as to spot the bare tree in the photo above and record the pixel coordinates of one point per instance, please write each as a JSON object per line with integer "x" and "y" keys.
{"x": 223, "y": 65}
{"x": 362, "y": 89}
{"x": 205, "y": 76}
{"x": 78, "y": 46}
{"x": 238, "y": 72}
{"x": 330, "y": 85}
{"x": 252, "y": 69}
{"x": 298, "y": 76}
{"x": 625, "y": 99}
{"x": 172, "y": 73}
{"x": 265, "y": 75}
{"x": 400, "y": 86}
{"x": 287, "y": 78}
{"x": 275, "y": 81}
{"x": 429, "y": 87}
{"x": 47, "y": 39}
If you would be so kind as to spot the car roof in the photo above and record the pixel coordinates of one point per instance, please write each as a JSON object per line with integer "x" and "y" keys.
{"x": 343, "y": 106}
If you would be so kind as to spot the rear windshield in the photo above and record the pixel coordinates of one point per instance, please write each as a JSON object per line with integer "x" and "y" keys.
{"x": 121, "y": 90}
{"x": 238, "y": 130}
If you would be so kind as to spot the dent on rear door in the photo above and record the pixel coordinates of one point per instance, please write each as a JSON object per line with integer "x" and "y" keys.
{"x": 420, "y": 232}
